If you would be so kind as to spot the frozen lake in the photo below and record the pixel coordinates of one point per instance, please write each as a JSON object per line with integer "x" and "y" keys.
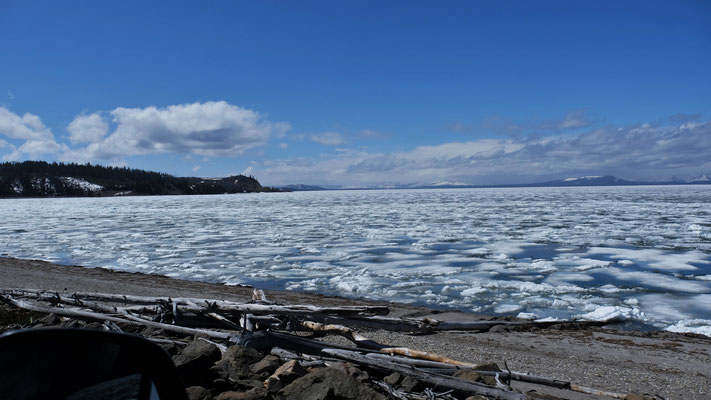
{"x": 641, "y": 253}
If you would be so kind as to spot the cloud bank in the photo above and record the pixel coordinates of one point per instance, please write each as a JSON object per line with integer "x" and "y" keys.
{"x": 37, "y": 139}
{"x": 643, "y": 152}
{"x": 569, "y": 146}
{"x": 207, "y": 129}
{"x": 87, "y": 129}
{"x": 328, "y": 138}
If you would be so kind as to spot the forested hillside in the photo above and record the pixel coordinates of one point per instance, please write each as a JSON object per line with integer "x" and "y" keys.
{"x": 42, "y": 179}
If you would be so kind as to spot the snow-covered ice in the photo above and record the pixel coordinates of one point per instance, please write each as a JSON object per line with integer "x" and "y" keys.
{"x": 635, "y": 253}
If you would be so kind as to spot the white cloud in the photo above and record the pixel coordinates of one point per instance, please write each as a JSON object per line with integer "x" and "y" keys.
{"x": 328, "y": 138}
{"x": 574, "y": 120}
{"x": 248, "y": 171}
{"x": 28, "y": 126}
{"x": 283, "y": 145}
{"x": 196, "y": 168}
{"x": 10, "y": 95}
{"x": 641, "y": 152}
{"x": 34, "y": 149}
{"x": 206, "y": 129}
{"x": 87, "y": 129}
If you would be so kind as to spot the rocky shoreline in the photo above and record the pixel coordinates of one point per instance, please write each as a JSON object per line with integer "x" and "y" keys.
{"x": 659, "y": 364}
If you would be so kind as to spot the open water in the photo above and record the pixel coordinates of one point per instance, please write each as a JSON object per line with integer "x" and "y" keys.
{"x": 642, "y": 254}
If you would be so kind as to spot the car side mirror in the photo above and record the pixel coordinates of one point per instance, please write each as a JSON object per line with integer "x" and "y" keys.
{"x": 82, "y": 364}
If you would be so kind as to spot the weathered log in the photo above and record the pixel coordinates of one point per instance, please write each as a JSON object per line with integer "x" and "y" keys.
{"x": 190, "y": 312}
{"x": 223, "y": 320}
{"x": 111, "y": 326}
{"x": 423, "y": 355}
{"x": 348, "y": 316}
{"x": 190, "y": 318}
{"x": 341, "y": 330}
{"x": 450, "y": 369}
{"x": 125, "y": 318}
{"x": 284, "y": 354}
{"x": 379, "y": 322}
{"x": 167, "y": 341}
{"x": 258, "y": 296}
{"x": 268, "y": 340}
{"x": 517, "y": 376}
{"x": 257, "y": 309}
{"x": 432, "y": 379}
{"x": 596, "y": 392}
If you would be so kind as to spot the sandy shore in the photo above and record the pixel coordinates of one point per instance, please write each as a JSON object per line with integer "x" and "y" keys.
{"x": 670, "y": 365}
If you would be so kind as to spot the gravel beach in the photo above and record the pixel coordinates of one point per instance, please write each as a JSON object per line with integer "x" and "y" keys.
{"x": 669, "y": 365}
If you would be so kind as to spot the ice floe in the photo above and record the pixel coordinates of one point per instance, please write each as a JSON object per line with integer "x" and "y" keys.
{"x": 699, "y": 326}
{"x": 536, "y": 252}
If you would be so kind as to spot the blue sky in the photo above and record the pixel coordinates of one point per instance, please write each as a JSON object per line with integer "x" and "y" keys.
{"x": 361, "y": 93}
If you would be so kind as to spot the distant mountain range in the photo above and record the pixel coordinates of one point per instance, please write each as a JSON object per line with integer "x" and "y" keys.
{"x": 302, "y": 188}
{"x": 606, "y": 180}
{"x": 42, "y": 179}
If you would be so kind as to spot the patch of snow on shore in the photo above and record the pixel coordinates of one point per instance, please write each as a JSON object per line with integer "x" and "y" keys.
{"x": 81, "y": 184}
{"x": 17, "y": 186}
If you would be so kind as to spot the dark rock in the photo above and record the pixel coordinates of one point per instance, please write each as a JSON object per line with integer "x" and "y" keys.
{"x": 274, "y": 385}
{"x": 95, "y": 326}
{"x": 236, "y": 361}
{"x": 532, "y": 394}
{"x": 491, "y": 366}
{"x": 49, "y": 320}
{"x": 489, "y": 380}
{"x": 351, "y": 370}
{"x": 198, "y": 393}
{"x": 393, "y": 379}
{"x": 220, "y": 385}
{"x": 170, "y": 348}
{"x": 474, "y": 376}
{"x": 246, "y": 384}
{"x": 499, "y": 329}
{"x": 284, "y": 375}
{"x": 410, "y": 384}
{"x": 469, "y": 375}
{"x": 327, "y": 383}
{"x": 252, "y": 394}
{"x": 289, "y": 371}
{"x": 153, "y": 332}
{"x": 71, "y": 323}
{"x": 266, "y": 365}
{"x": 194, "y": 362}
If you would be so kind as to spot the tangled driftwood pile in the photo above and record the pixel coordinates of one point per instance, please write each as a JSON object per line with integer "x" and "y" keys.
{"x": 227, "y": 356}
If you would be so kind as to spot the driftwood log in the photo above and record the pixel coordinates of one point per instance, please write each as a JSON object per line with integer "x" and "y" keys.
{"x": 437, "y": 380}
{"x": 257, "y": 324}
{"x": 371, "y": 317}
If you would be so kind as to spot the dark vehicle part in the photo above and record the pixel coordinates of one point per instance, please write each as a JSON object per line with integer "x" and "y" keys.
{"x": 79, "y": 364}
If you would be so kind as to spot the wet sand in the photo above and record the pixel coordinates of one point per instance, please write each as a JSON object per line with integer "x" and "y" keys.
{"x": 670, "y": 365}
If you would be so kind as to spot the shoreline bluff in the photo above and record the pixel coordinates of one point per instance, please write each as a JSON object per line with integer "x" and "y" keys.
{"x": 670, "y": 365}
